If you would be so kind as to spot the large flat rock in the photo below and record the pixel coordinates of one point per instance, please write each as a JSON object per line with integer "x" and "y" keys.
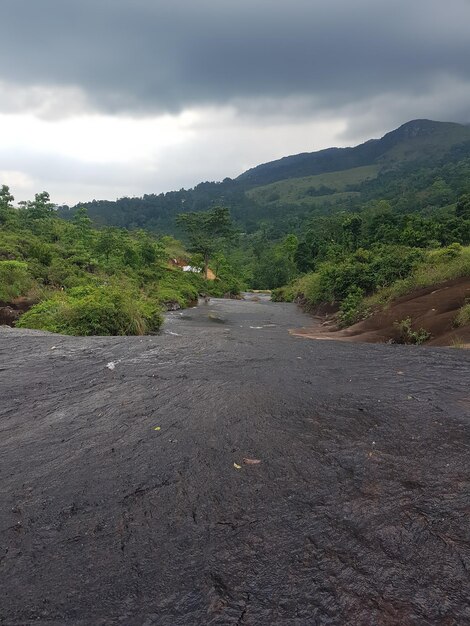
{"x": 126, "y": 499}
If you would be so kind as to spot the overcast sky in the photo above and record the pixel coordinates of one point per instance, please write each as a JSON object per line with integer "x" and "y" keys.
{"x": 105, "y": 98}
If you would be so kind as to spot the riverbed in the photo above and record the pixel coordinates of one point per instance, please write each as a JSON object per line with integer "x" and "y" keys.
{"x": 227, "y": 472}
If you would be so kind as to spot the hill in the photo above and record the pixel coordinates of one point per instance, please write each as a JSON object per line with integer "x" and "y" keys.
{"x": 320, "y": 187}
{"x": 415, "y": 140}
{"x": 385, "y": 167}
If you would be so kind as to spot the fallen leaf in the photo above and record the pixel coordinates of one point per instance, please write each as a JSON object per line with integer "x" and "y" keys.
{"x": 251, "y": 461}
{"x": 236, "y": 466}
{"x": 157, "y": 428}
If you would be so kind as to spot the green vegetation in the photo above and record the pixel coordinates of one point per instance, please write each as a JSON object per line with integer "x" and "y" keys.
{"x": 14, "y": 280}
{"x": 319, "y": 188}
{"x": 206, "y": 231}
{"x": 95, "y": 311}
{"x": 463, "y": 316}
{"x": 437, "y": 267}
{"x": 84, "y": 281}
{"x": 420, "y": 166}
{"x": 363, "y": 261}
{"x": 352, "y": 308}
{"x": 369, "y": 280}
{"x": 344, "y": 230}
{"x": 409, "y": 336}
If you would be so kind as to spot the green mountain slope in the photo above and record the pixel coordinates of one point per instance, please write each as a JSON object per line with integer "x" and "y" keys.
{"x": 415, "y": 140}
{"x": 319, "y": 188}
{"x": 422, "y": 163}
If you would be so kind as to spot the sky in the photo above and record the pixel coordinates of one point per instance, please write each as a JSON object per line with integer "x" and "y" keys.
{"x": 101, "y": 99}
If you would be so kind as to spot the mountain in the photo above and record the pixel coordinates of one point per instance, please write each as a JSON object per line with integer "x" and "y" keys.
{"x": 414, "y": 140}
{"x": 401, "y": 167}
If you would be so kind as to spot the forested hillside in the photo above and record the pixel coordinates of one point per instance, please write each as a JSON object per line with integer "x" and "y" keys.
{"x": 421, "y": 165}
{"x": 67, "y": 277}
{"x": 397, "y": 216}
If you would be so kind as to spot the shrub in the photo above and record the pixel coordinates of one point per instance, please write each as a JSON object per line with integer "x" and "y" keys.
{"x": 177, "y": 286}
{"x": 364, "y": 270}
{"x": 435, "y": 268}
{"x": 14, "y": 280}
{"x": 283, "y": 294}
{"x": 352, "y": 308}
{"x": 409, "y": 336}
{"x": 94, "y": 311}
{"x": 452, "y": 251}
{"x": 463, "y": 316}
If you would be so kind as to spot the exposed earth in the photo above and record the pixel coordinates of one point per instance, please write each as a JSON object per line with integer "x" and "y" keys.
{"x": 433, "y": 309}
{"x": 132, "y": 492}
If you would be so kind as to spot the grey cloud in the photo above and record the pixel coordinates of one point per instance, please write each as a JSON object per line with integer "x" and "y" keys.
{"x": 67, "y": 179}
{"x": 147, "y": 56}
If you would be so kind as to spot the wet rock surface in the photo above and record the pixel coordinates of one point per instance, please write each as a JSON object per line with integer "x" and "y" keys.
{"x": 125, "y": 498}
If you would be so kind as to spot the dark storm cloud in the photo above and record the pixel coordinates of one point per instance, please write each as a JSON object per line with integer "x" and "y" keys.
{"x": 143, "y": 56}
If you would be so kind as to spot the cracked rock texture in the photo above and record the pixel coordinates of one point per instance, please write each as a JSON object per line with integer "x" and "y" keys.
{"x": 121, "y": 503}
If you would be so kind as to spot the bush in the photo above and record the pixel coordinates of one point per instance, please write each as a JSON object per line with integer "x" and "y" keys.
{"x": 14, "y": 280}
{"x": 364, "y": 270}
{"x": 437, "y": 267}
{"x": 88, "y": 311}
{"x": 352, "y": 308}
{"x": 463, "y": 316}
{"x": 450, "y": 252}
{"x": 177, "y": 286}
{"x": 409, "y": 336}
{"x": 283, "y": 294}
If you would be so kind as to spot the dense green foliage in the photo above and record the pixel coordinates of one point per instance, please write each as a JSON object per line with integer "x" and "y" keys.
{"x": 364, "y": 214}
{"x": 95, "y": 311}
{"x": 88, "y": 282}
{"x": 419, "y": 167}
{"x": 407, "y": 335}
{"x": 348, "y": 228}
{"x": 463, "y": 316}
{"x": 14, "y": 280}
{"x": 356, "y": 287}
{"x": 206, "y": 231}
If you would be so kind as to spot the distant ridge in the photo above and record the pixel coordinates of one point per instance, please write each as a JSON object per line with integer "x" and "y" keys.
{"x": 412, "y": 140}
{"x": 285, "y": 191}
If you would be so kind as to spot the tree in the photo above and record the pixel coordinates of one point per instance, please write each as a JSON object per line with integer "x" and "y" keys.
{"x": 109, "y": 242}
{"x": 5, "y": 197}
{"x": 462, "y": 208}
{"x": 39, "y": 208}
{"x": 289, "y": 246}
{"x": 84, "y": 226}
{"x": 6, "y": 208}
{"x": 352, "y": 227}
{"x": 206, "y": 231}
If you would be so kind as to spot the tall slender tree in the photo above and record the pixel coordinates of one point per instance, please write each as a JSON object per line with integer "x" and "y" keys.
{"x": 206, "y": 231}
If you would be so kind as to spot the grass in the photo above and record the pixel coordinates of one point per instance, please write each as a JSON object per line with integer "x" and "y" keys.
{"x": 457, "y": 343}
{"x": 463, "y": 316}
{"x": 301, "y": 190}
{"x": 438, "y": 267}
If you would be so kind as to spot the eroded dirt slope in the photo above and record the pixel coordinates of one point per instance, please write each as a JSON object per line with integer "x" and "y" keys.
{"x": 432, "y": 308}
